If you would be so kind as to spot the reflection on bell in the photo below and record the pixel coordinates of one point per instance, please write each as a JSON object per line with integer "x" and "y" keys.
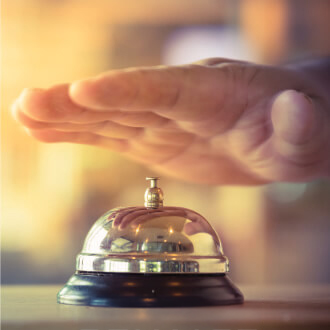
{"x": 151, "y": 256}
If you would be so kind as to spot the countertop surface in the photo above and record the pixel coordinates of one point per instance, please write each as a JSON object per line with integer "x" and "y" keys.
{"x": 265, "y": 307}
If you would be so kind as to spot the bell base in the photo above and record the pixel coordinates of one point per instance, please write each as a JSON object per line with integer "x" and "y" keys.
{"x": 149, "y": 290}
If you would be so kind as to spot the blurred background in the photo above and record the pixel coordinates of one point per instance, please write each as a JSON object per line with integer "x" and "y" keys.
{"x": 52, "y": 194}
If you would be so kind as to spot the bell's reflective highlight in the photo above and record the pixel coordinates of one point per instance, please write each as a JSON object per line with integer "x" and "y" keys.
{"x": 150, "y": 241}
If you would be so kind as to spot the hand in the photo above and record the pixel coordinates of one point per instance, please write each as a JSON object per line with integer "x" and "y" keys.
{"x": 217, "y": 121}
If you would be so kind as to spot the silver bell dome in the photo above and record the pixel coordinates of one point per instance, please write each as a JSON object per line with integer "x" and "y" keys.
{"x": 152, "y": 239}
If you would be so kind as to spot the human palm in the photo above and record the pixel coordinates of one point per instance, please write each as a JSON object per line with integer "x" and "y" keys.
{"x": 217, "y": 121}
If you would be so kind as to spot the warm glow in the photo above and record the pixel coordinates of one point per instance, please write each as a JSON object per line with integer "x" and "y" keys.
{"x": 241, "y": 211}
{"x": 53, "y": 193}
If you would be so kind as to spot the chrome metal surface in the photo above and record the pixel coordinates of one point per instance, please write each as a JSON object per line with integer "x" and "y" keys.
{"x": 153, "y": 197}
{"x": 151, "y": 256}
{"x": 146, "y": 240}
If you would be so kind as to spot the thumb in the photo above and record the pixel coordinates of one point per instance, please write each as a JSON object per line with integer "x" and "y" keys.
{"x": 299, "y": 132}
{"x": 295, "y": 118}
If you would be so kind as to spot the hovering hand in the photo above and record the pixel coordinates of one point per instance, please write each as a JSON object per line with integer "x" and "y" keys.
{"x": 217, "y": 121}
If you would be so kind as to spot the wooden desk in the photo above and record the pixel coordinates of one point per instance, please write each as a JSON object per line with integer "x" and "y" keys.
{"x": 293, "y": 307}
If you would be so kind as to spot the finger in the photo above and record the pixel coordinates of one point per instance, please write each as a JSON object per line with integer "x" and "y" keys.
{"x": 23, "y": 119}
{"x": 178, "y": 93}
{"x": 54, "y": 105}
{"x": 138, "y": 119}
{"x": 294, "y": 117}
{"x": 52, "y": 136}
{"x": 300, "y": 134}
{"x": 298, "y": 124}
{"x": 49, "y": 105}
{"x": 105, "y": 128}
{"x": 148, "y": 150}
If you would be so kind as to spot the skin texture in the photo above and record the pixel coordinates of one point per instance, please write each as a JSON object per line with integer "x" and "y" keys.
{"x": 217, "y": 121}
